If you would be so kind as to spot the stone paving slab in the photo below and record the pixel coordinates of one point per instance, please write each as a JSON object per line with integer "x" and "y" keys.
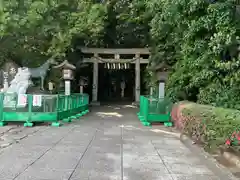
{"x": 35, "y": 173}
{"x": 145, "y": 174}
{"x": 19, "y": 151}
{"x": 188, "y": 169}
{"x": 181, "y": 159}
{"x": 13, "y": 134}
{"x": 107, "y": 144}
{"x": 11, "y": 167}
{"x": 101, "y": 165}
{"x": 194, "y": 177}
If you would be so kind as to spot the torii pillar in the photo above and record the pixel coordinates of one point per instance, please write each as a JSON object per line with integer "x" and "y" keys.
{"x": 95, "y": 81}
{"x": 137, "y": 79}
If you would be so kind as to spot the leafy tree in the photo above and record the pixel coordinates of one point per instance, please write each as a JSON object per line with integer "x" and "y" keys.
{"x": 200, "y": 40}
{"x": 127, "y": 24}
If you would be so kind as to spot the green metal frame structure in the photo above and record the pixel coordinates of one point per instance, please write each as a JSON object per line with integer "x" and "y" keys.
{"x": 50, "y": 108}
{"x": 154, "y": 110}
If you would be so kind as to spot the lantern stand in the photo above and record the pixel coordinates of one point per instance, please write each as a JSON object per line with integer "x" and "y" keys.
{"x": 67, "y": 73}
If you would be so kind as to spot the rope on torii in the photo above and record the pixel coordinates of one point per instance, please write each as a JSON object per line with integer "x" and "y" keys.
{"x": 112, "y": 64}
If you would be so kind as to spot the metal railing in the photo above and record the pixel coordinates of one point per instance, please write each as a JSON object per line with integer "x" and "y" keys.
{"x": 155, "y": 110}
{"x": 32, "y": 108}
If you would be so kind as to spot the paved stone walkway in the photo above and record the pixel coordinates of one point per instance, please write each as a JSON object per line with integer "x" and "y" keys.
{"x": 107, "y": 144}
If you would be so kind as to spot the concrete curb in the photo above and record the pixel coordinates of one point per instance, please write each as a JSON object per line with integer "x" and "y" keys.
{"x": 233, "y": 159}
{"x": 210, "y": 162}
{"x": 175, "y": 134}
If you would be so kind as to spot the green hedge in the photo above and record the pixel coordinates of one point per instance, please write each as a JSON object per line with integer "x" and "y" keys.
{"x": 210, "y": 125}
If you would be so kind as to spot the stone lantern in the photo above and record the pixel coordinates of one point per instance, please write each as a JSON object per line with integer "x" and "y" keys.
{"x": 67, "y": 73}
{"x": 161, "y": 72}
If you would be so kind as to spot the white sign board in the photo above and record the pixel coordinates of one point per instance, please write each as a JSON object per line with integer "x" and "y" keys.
{"x": 37, "y": 100}
{"x": 22, "y": 100}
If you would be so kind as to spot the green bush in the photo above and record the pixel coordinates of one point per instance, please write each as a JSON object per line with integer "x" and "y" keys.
{"x": 210, "y": 125}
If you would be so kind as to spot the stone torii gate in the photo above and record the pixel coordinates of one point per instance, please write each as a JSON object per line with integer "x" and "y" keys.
{"x": 117, "y": 57}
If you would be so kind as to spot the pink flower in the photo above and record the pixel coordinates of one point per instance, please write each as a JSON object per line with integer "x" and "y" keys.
{"x": 238, "y": 136}
{"x": 234, "y": 134}
{"x": 228, "y": 142}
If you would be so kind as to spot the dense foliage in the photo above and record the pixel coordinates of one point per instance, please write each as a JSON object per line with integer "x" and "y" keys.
{"x": 33, "y": 30}
{"x": 208, "y": 125}
{"x": 200, "y": 39}
{"x": 38, "y": 29}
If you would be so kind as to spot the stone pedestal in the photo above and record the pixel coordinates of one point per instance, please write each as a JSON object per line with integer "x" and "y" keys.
{"x": 67, "y": 87}
{"x": 81, "y": 90}
{"x": 162, "y": 78}
{"x": 161, "y": 90}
